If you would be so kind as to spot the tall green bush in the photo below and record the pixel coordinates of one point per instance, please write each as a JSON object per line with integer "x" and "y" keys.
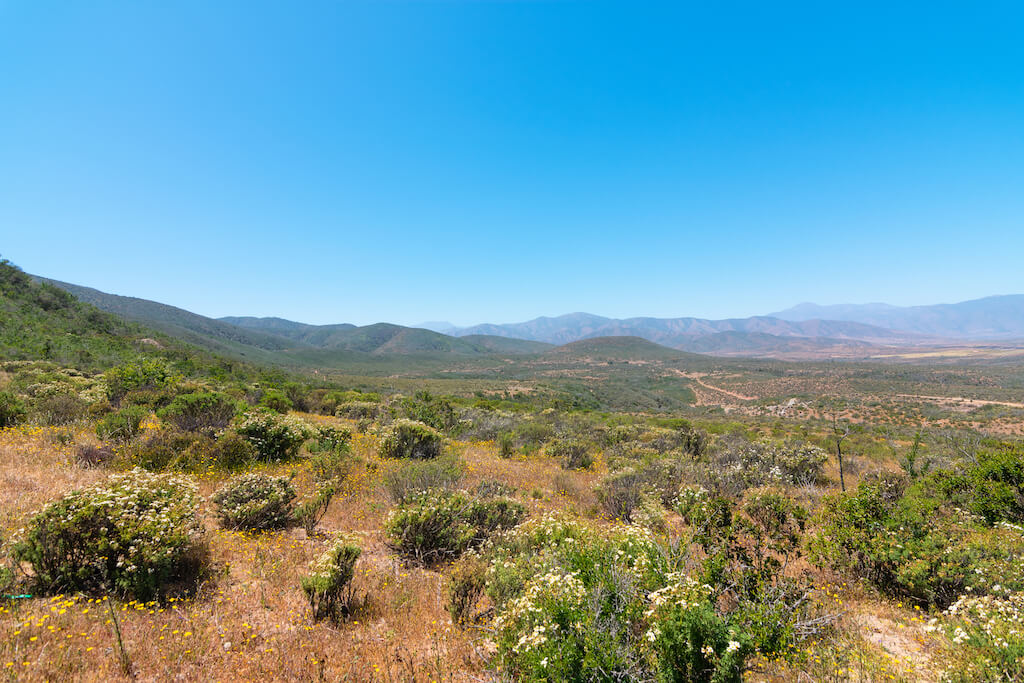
{"x": 122, "y": 426}
{"x": 137, "y": 534}
{"x": 12, "y": 409}
{"x": 410, "y": 439}
{"x": 274, "y": 437}
{"x": 200, "y": 411}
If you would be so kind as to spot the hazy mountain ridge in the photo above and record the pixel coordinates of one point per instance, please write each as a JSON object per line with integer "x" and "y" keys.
{"x": 804, "y": 334}
{"x": 993, "y": 317}
{"x": 687, "y": 333}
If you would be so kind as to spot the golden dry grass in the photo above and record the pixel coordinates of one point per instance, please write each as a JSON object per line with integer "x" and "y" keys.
{"x": 251, "y": 621}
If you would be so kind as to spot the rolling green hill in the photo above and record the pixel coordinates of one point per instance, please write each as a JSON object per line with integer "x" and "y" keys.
{"x": 385, "y": 338}
{"x": 39, "y": 321}
{"x": 204, "y": 332}
{"x": 617, "y": 348}
{"x": 276, "y": 341}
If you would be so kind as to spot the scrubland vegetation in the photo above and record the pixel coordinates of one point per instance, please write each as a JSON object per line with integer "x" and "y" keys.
{"x": 168, "y": 516}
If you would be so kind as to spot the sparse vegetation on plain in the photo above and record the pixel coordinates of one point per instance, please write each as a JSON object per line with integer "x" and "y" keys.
{"x": 562, "y": 519}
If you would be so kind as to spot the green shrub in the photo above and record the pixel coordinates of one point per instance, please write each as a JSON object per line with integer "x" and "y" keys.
{"x": 328, "y": 586}
{"x": 311, "y": 511}
{"x": 532, "y": 434}
{"x": 60, "y": 409}
{"x": 298, "y": 394}
{"x": 137, "y": 534}
{"x": 232, "y": 452}
{"x": 201, "y": 411}
{"x": 12, "y": 409}
{"x": 255, "y": 502}
{"x": 992, "y": 487}
{"x": 570, "y": 600}
{"x": 620, "y": 494}
{"x": 574, "y": 454}
{"x": 506, "y": 445}
{"x": 328, "y": 438}
{"x": 439, "y": 526}
{"x": 332, "y": 465}
{"x": 187, "y": 451}
{"x": 153, "y": 398}
{"x": 693, "y": 442}
{"x": 275, "y": 400}
{"x": 491, "y": 515}
{"x": 160, "y": 450}
{"x": 431, "y": 529}
{"x": 272, "y": 436}
{"x": 122, "y": 426}
{"x": 909, "y": 543}
{"x": 465, "y": 587}
{"x": 357, "y": 410}
{"x": 145, "y": 373}
{"x": 436, "y": 412}
{"x": 690, "y": 641}
{"x": 412, "y": 479}
{"x": 409, "y": 439}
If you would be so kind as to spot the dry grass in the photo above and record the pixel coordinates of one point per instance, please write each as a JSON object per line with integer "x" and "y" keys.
{"x": 251, "y": 620}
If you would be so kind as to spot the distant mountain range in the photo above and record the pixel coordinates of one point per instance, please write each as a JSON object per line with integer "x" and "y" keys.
{"x": 807, "y": 330}
{"x": 994, "y": 317}
{"x": 687, "y": 333}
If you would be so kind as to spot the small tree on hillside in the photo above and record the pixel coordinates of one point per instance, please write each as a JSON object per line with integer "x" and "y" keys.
{"x": 840, "y": 430}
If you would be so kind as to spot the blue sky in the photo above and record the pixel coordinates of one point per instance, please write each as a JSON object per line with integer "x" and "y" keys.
{"x": 496, "y": 161}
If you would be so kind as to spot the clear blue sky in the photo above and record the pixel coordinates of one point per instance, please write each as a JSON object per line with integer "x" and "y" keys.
{"x": 494, "y": 161}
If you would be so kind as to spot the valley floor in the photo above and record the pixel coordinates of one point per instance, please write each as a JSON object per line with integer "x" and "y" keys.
{"x": 251, "y": 621}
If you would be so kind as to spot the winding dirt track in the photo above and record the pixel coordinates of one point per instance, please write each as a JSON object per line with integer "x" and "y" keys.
{"x": 696, "y": 377}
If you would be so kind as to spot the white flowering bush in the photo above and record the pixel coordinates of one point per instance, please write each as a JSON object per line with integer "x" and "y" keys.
{"x": 542, "y": 633}
{"x": 570, "y": 599}
{"x": 688, "y": 639}
{"x": 274, "y": 437}
{"x": 137, "y": 534}
{"x": 578, "y": 602}
{"x": 988, "y": 637}
{"x": 737, "y": 466}
{"x": 328, "y": 585}
{"x": 255, "y": 502}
